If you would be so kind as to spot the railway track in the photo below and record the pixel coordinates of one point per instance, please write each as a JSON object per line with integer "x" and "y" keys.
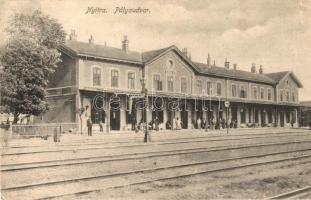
{"x": 299, "y": 193}
{"x": 172, "y": 168}
{"x": 134, "y": 156}
{"x": 138, "y": 139}
{"x": 184, "y": 170}
{"x": 205, "y": 139}
{"x": 141, "y": 181}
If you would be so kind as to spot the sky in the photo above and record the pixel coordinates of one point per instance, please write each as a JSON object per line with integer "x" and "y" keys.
{"x": 273, "y": 33}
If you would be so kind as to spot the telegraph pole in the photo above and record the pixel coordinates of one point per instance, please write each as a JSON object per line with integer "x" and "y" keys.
{"x": 145, "y": 96}
{"x": 227, "y": 104}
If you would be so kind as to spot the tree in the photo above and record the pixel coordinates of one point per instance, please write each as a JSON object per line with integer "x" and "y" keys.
{"x": 28, "y": 59}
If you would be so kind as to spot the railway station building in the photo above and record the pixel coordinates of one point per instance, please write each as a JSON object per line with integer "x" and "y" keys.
{"x": 100, "y": 79}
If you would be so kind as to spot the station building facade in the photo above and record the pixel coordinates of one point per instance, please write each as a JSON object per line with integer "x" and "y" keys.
{"x": 99, "y": 79}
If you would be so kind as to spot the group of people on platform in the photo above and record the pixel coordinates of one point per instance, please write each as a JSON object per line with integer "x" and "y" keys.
{"x": 176, "y": 124}
{"x": 213, "y": 123}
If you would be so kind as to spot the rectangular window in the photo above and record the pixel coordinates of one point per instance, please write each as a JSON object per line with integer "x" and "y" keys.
{"x": 218, "y": 88}
{"x": 157, "y": 83}
{"x": 269, "y": 94}
{"x": 199, "y": 86}
{"x": 243, "y": 92}
{"x": 170, "y": 83}
{"x": 209, "y": 88}
{"x": 262, "y": 93}
{"x": 114, "y": 78}
{"x": 183, "y": 85}
{"x": 281, "y": 95}
{"x": 131, "y": 80}
{"x": 233, "y": 90}
{"x": 96, "y": 76}
{"x": 255, "y": 93}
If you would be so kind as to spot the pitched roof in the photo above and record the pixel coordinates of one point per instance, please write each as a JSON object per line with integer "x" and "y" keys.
{"x": 106, "y": 52}
{"x": 149, "y": 55}
{"x": 102, "y": 51}
{"x": 277, "y": 76}
{"x": 236, "y": 74}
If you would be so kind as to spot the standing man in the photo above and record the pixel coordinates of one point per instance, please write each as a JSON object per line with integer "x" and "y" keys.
{"x": 133, "y": 122}
{"x": 156, "y": 122}
{"x": 292, "y": 123}
{"x": 89, "y": 126}
{"x": 199, "y": 123}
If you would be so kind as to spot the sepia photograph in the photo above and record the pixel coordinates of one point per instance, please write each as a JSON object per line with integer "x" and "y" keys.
{"x": 155, "y": 99}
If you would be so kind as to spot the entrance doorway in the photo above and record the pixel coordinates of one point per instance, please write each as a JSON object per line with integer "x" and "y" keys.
{"x": 263, "y": 117}
{"x": 282, "y": 119}
{"x": 184, "y": 116}
{"x": 114, "y": 116}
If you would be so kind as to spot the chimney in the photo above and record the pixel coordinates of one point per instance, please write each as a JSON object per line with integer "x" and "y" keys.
{"x": 208, "y": 61}
{"x": 253, "y": 69}
{"x": 125, "y": 44}
{"x": 260, "y": 70}
{"x": 185, "y": 51}
{"x": 91, "y": 40}
{"x": 190, "y": 56}
{"x": 227, "y": 64}
{"x": 234, "y": 66}
{"x": 214, "y": 64}
{"x": 73, "y": 35}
